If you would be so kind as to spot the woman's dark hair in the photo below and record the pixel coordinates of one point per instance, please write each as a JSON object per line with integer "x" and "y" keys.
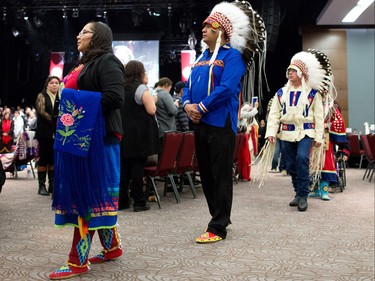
{"x": 101, "y": 42}
{"x": 165, "y": 81}
{"x": 134, "y": 71}
{"x": 49, "y": 78}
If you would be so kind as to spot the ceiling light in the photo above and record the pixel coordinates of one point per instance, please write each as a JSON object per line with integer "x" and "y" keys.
{"x": 154, "y": 13}
{"x": 37, "y": 21}
{"x": 4, "y": 13}
{"x": 15, "y": 32}
{"x": 354, "y": 13}
{"x": 75, "y": 13}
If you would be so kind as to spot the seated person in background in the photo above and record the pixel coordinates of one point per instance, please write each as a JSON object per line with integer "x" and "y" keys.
{"x": 6, "y": 130}
{"x": 182, "y": 122}
{"x": 166, "y": 110}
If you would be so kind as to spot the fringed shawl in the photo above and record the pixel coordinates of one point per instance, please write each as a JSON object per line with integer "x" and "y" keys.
{"x": 79, "y": 166}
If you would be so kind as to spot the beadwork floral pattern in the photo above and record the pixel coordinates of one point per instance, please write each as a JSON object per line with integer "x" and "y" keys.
{"x": 70, "y": 116}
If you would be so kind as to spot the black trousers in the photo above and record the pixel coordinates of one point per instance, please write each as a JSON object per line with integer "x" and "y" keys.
{"x": 215, "y": 148}
{"x": 132, "y": 170}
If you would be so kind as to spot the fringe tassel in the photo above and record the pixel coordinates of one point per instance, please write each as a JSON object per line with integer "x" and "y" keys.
{"x": 317, "y": 156}
{"x": 263, "y": 166}
{"x": 83, "y": 227}
{"x": 217, "y": 47}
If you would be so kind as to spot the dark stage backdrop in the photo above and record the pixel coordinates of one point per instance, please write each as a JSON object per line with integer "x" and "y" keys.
{"x": 24, "y": 60}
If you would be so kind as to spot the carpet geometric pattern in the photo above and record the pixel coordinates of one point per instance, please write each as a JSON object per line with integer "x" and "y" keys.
{"x": 267, "y": 240}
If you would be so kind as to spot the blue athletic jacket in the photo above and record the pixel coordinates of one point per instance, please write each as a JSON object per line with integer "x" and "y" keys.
{"x": 216, "y": 91}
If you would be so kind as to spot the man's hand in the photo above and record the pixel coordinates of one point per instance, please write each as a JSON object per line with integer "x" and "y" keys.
{"x": 193, "y": 112}
{"x": 271, "y": 139}
{"x": 317, "y": 144}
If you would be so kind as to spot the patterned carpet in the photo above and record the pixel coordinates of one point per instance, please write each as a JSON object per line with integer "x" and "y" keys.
{"x": 268, "y": 240}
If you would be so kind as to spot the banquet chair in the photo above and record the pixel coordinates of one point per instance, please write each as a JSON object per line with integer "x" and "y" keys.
{"x": 185, "y": 157}
{"x": 24, "y": 154}
{"x": 369, "y": 156}
{"x": 166, "y": 164}
{"x": 355, "y": 149}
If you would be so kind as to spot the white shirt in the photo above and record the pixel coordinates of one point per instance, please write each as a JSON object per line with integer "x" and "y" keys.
{"x": 18, "y": 127}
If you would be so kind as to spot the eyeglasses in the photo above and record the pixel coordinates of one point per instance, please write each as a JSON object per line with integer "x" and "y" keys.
{"x": 83, "y": 32}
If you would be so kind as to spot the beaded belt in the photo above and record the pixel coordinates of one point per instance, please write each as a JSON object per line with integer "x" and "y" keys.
{"x": 292, "y": 127}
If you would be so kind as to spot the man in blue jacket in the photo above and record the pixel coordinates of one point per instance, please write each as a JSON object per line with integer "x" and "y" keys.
{"x": 211, "y": 101}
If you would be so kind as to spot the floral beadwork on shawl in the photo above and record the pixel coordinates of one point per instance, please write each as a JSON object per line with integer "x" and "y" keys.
{"x": 77, "y": 121}
{"x": 70, "y": 116}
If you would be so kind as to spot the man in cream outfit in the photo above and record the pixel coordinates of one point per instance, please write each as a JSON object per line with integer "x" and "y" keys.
{"x": 296, "y": 118}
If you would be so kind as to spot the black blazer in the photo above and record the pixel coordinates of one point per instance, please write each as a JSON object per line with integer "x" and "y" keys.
{"x": 141, "y": 133}
{"x": 105, "y": 74}
{"x": 46, "y": 116}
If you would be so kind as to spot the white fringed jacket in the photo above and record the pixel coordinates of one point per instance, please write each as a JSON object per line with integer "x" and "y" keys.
{"x": 296, "y": 113}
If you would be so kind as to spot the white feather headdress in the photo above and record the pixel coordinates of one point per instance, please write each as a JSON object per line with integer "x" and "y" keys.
{"x": 246, "y": 32}
{"x": 314, "y": 68}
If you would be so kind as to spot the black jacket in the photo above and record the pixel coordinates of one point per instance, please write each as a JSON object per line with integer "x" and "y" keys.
{"x": 141, "y": 133}
{"x": 105, "y": 74}
{"x": 46, "y": 116}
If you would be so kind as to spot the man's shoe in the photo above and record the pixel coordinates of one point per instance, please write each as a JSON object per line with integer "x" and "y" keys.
{"x": 302, "y": 205}
{"x": 295, "y": 201}
{"x": 68, "y": 271}
{"x": 141, "y": 208}
{"x": 106, "y": 256}
{"x": 208, "y": 237}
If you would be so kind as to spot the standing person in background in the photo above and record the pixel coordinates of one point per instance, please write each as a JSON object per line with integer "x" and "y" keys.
{"x": 297, "y": 111}
{"x": 246, "y": 126}
{"x": 166, "y": 110}
{"x": 278, "y": 162}
{"x": 211, "y": 101}
{"x": 182, "y": 122}
{"x": 247, "y": 116}
{"x": 31, "y": 121}
{"x": 141, "y": 136}
{"x": 335, "y": 134}
{"x": 47, "y": 108}
{"x": 262, "y": 133}
{"x": 88, "y": 161}
{"x": 19, "y": 125}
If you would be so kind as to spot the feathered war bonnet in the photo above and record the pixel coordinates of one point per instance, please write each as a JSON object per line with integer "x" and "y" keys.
{"x": 246, "y": 32}
{"x": 315, "y": 70}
